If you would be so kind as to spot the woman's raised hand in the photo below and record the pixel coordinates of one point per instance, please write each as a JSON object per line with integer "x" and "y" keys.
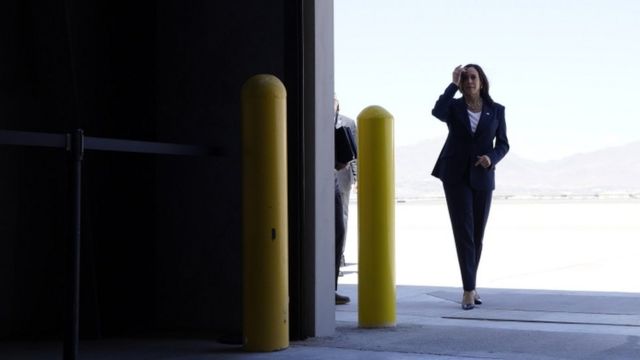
{"x": 457, "y": 73}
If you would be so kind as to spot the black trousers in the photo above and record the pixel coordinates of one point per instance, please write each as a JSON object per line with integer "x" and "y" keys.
{"x": 340, "y": 230}
{"x": 469, "y": 211}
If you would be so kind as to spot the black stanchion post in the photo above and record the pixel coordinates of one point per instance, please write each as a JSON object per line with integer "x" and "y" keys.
{"x": 76, "y": 143}
{"x": 76, "y": 146}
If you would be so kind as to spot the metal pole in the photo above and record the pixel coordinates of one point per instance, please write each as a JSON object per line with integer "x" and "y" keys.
{"x": 76, "y": 146}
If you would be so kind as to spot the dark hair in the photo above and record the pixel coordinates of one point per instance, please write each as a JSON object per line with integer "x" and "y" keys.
{"x": 484, "y": 90}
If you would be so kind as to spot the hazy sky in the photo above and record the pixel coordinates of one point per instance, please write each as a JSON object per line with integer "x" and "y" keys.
{"x": 568, "y": 72}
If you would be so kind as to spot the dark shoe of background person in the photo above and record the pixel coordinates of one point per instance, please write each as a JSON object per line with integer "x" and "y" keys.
{"x": 468, "y": 302}
{"x": 341, "y": 299}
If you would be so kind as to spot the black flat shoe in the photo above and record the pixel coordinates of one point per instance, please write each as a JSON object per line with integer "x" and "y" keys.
{"x": 342, "y": 299}
{"x": 477, "y": 300}
{"x": 468, "y": 302}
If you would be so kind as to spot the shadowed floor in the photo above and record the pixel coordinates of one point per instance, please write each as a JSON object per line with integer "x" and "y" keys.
{"x": 511, "y": 324}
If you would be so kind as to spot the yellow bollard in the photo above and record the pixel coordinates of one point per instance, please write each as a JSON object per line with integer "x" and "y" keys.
{"x": 376, "y": 219}
{"x": 265, "y": 225}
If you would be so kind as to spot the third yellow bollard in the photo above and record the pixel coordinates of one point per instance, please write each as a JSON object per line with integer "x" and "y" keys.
{"x": 376, "y": 219}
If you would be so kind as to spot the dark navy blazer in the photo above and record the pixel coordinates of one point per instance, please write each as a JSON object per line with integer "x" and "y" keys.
{"x": 462, "y": 147}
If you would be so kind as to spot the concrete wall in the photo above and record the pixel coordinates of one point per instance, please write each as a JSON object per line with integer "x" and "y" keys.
{"x": 319, "y": 104}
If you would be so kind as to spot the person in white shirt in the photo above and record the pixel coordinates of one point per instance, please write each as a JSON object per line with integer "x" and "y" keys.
{"x": 348, "y": 175}
{"x": 345, "y": 178}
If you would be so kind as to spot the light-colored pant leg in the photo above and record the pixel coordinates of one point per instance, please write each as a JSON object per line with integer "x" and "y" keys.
{"x": 345, "y": 193}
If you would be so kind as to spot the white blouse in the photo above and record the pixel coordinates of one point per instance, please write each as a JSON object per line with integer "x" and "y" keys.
{"x": 474, "y": 118}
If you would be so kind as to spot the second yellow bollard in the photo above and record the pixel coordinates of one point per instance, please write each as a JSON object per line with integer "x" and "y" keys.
{"x": 376, "y": 219}
{"x": 265, "y": 225}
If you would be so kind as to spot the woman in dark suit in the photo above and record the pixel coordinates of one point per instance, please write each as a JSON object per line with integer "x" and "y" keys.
{"x": 476, "y": 142}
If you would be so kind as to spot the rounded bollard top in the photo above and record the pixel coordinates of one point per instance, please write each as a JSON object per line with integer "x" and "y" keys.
{"x": 264, "y": 85}
{"x": 374, "y": 112}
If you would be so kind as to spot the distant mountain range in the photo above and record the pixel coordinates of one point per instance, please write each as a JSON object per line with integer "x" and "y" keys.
{"x": 614, "y": 170}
